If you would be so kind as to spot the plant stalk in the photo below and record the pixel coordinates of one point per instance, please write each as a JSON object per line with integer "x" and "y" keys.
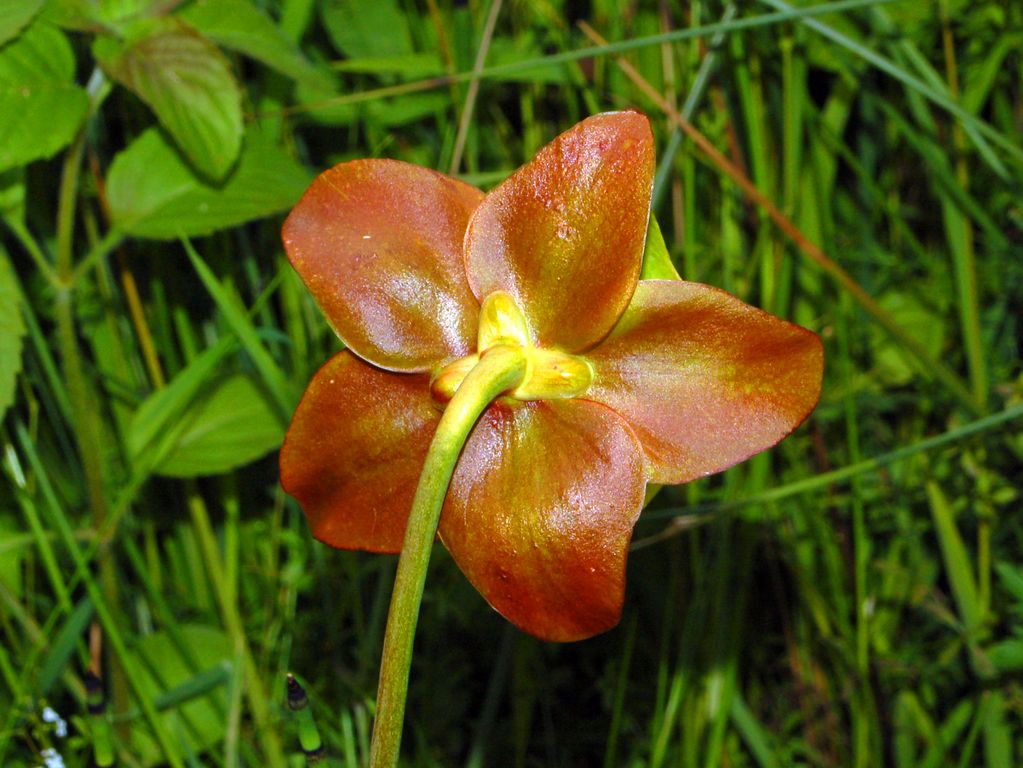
{"x": 501, "y": 368}
{"x": 85, "y": 416}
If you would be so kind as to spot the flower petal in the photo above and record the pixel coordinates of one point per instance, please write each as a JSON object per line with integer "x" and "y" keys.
{"x": 540, "y": 511}
{"x": 704, "y": 379}
{"x": 564, "y": 234}
{"x": 354, "y": 451}
{"x": 379, "y": 244}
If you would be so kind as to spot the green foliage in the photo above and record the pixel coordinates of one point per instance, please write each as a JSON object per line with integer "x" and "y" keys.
{"x": 153, "y": 193}
{"x": 12, "y": 331}
{"x": 12, "y": 195}
{"x": 188, "y": 84}
{"x": 228, "y": 425}
{"x": 185, "y": 674}
{"x": 241, "y": 26}
{"x": 855, "y": 598}
{"x": 153, "y": 431}
{"x": 893, "y": 366}
{"x": 41, "y": 105}
{"x": 656, "y": 259}
{"x": 15, "y": 14}
{"x": 377, "y": 30}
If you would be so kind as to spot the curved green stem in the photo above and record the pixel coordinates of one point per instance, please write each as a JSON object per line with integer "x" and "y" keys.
{"x": 500, "y": 369}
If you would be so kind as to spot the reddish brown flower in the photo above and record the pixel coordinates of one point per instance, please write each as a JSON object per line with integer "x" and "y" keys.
{"x": 629, "y": 382}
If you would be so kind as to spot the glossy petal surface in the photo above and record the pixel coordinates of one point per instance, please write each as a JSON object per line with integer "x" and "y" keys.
{"x": 540, "y": 511}
{"x": 354, "y": 451}
{"x": 564, "y": 234}
{"x": 704, "y": 379}
{"x": 379, "y": 243}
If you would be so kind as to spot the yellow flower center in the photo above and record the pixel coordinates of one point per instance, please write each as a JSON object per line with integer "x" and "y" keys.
{"x": 550, "y": 374}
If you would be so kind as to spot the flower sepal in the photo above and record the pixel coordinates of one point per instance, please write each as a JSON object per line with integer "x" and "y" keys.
{"x": 550, "y": 373}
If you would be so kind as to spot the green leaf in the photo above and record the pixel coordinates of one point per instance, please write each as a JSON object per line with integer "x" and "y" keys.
{"x": 187, "y": 82}
{"x": 361, "y": 30}
{"x": 41, "y": 106}
{"x": 63, "y": 645}
{"x": 153, "y": 193}
{"x": 894, "y": 366}
{"x": 1011, "y": 579}
{"x": 151, "y": 432}
{"x": 407, "y": 109}
{"x": 958, "y": 567}
{"x": 948, "y": 734}
{"x": 198, "y": 720}
{"x": 233, "y": 425}
{"x": 657, "y": 265}
{"x": 15, "y": 15}
{"x": 512, "y": 50}
{"x": 229, "y": 426}
{"x": 998, "y": 734}
{"x": 656, "y": 259}
{"x": 241, "y": 26}
{"x": 981, "y": 79}
{"x": 12, "y": 194}
{"x": 239, "y": 321}
{"x": 120, "y": 10}
{"x": 1007, "y": 655}
{"x": 754, "y": 733}
{"x": 320, "y": 104}
{"x": 411, "y": 66}
{"x": 76, "y": 15}
{"x": 913, "y": 725}
{"x": 15, "y": 544}
{"x": 100, "y": 15}
{"x": 12, "y": 330}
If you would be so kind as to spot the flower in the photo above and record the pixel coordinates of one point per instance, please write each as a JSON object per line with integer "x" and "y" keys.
{"x": 51, "y": 758}
{"x": 50, "y": 715}
{"x": 629, "y": 381}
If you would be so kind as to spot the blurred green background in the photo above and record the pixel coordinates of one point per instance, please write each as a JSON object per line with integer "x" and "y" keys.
{"x": 851, "y": 598}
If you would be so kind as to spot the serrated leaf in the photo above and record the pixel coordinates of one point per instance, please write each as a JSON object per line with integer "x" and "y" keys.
{"x": 187, "y": 82}
{"x": 15, "y": 15}
{"x": 228, "y": 427}
{"x": 100, "y": 15}
{"x": 12, "y": 330}
{"x": 153, "y": 193}
{"x": 42, "y": 108}
{"x": 241, "y": 26}
{"x": 363, "y": 30}
{"x": 76, "y": 15}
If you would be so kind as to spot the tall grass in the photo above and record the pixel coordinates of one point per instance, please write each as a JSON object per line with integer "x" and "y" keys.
{"x": 851, "y": 598}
